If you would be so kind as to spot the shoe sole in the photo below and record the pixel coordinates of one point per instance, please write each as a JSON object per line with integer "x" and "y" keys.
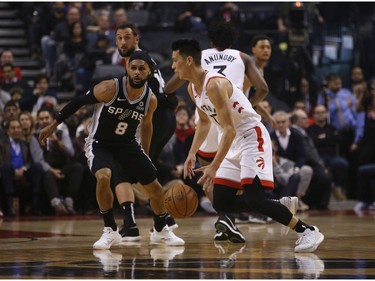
{"x": 313, "y": 248}
{"x": 221, "y": 239}
{"x": 226, "y": 240}
{"x": 167, "y": 244}
{"x": 107, "y": 248}
{"x": 130, "y": 238}
{"x": 222, "y": 226}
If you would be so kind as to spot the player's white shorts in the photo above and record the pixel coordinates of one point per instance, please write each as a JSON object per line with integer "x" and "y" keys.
{"x": 249, "y": 156}
{"x": 209, "y": 147}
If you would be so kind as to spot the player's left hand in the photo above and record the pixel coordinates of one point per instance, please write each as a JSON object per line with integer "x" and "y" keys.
{"x": 208, "y": 177}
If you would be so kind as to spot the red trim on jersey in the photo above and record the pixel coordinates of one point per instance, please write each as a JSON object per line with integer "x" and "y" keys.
{"x": 259, "y": 139}
{"x": 264, "y": 183}
{"x": 228, "y": 183}
{"x": 206, "y": 154}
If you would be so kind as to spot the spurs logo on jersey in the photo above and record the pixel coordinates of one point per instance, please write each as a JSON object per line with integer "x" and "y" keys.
{"x": 120, "y": 117}
{"x": 123, "y": 114}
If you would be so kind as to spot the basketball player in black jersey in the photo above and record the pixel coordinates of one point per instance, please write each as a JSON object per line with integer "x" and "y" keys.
{"x": 163, "y": 120}
{"x": 114, "y": 155}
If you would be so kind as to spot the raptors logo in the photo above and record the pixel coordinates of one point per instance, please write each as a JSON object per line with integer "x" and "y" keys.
{"x": 260, "y": 162}
{"x": 235, "y": 105}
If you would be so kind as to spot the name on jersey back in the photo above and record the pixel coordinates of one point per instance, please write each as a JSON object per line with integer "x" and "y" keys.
{"x": 219, "y": 57}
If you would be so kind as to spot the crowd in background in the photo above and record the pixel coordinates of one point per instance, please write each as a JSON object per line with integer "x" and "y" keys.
{"x": 323, "y": 136}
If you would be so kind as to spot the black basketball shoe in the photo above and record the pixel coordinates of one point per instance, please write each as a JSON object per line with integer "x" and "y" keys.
{"x": 130, "y": 234}
{"x": 226, "y": 225}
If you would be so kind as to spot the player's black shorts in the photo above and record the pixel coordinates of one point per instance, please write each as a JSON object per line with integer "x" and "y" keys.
{"x": 128, "y": 163}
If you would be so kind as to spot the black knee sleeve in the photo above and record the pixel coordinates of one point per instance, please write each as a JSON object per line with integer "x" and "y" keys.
{"x": 257, "y": 201}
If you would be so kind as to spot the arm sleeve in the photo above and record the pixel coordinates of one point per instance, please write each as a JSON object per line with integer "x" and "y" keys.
{"x": 76, "y": 104}
{"x": 156, "y": 83}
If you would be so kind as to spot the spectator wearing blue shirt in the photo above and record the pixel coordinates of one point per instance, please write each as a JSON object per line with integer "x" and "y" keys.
{"x": 341, "y": 105}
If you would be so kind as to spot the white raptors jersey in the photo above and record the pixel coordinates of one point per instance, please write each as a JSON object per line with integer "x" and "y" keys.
{"x": 228, "y": 63}
{"x": 250, "y": 154}
{"x": 244, "y": 116}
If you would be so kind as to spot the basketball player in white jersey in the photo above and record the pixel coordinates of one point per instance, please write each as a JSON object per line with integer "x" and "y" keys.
{"x": 235, "y": 65}
{"x": 114, "y": 155}
{"x": 244, "y": 156}
{"x": 238, "y": 67}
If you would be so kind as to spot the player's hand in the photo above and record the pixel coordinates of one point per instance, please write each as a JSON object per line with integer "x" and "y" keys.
{"x": 208, "y": 177}
{"x": 189, "y": 166}
{"x": 46, "y": 132}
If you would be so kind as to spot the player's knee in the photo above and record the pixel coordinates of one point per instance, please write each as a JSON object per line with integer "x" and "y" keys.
{"x": 254, "y": 195}
{"x": 154, "y": 188}
{"x": 103, "y": 177}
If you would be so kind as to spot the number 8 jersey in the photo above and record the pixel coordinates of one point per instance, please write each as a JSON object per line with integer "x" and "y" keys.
{"x": 117, "y": 121}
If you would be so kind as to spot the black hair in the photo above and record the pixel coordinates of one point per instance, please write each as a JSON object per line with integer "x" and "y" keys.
{"x": 142, "y": 55}
{"x": 332, "y": 76}
{"x": 125, "y": 25}
{"x": 186, "y": 108}
{"x": 83, "y": 32}
{"x": 10, "y": 103}
{"x": 7, "y": 124}
{"x": 50, "y": 110}
{"x": 257, "y": 38}
{"x": 222, "y": 35}
{"x": 40, "y": 77}
{"x": 188, "y": 47}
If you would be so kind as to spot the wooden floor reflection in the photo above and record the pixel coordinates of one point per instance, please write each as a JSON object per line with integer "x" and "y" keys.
{"x": 59, "y": 248}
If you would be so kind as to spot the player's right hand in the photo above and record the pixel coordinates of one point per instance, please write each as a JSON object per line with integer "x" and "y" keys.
{"x": 46, "y": 132}
{"x": 189, "y": 166}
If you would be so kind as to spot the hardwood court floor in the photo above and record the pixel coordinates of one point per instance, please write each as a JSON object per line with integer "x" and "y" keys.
{"x": 61, "y": 248}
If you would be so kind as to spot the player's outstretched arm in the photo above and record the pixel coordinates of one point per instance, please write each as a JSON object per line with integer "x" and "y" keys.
{"x": 103, "y": 92}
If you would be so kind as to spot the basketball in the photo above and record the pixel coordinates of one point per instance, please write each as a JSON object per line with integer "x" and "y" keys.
{"x": 181, "y": 201}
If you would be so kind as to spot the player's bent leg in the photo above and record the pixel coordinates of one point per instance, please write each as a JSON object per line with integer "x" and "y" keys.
{"x": 104, "y": 195}
{"x": 155, "y": 191}
{"x": 225, "y": 202}
{"x": 125, "y": 197}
